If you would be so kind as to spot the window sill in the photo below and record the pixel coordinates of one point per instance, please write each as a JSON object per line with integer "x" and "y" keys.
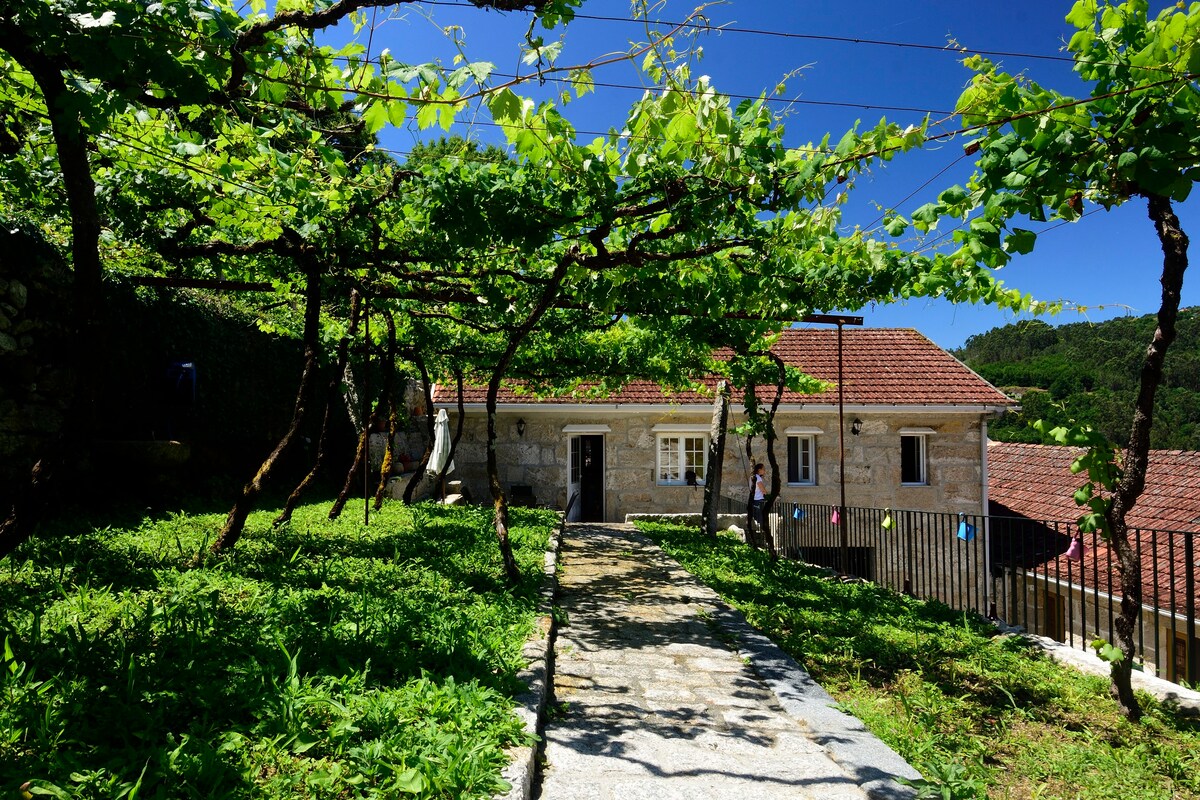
{"x": 925, "y": 483}
{"x": 801, "y": 485}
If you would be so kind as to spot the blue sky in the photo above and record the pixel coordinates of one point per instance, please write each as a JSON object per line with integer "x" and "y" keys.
{"x": 1106, "y": 262}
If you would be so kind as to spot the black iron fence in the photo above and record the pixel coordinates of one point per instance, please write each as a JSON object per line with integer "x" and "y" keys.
{"x": 731, "y": 505}
{"x": 1044, "y": 577}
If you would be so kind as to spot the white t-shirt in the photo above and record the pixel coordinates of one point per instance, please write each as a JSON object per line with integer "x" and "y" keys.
{"x": 756, "y": 483}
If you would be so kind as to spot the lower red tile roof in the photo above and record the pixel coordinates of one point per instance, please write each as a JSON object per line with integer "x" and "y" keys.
{"x": 1035, "y": 481}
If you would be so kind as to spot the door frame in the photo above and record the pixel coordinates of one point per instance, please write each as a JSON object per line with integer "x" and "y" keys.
{"x": 573, "y": 434}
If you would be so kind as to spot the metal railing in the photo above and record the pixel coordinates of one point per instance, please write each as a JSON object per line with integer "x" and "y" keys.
{"x": 731, "y": 505}
{"x": 1015, "y": 570}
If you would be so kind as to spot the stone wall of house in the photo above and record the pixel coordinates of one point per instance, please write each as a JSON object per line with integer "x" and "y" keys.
{"x": 539, "y": 458}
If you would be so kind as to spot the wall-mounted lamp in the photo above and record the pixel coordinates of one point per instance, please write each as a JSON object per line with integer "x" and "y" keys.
{"x": 856, "y": 426}
{"x": 521, "y": 427}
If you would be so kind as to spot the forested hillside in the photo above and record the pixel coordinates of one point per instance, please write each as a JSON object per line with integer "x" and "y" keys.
{"x": 1089, "y": 373}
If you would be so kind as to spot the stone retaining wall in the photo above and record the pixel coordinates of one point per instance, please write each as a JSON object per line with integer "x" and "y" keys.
{"x": 35, "y": 382}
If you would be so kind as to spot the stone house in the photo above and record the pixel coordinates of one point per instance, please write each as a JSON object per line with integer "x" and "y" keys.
{"x": 915, "y": 435}
{"x": 1033, "y": 511}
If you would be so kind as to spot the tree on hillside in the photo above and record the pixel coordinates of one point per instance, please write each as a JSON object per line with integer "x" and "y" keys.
{"x": 1043, "y": 154}
{"x": 1013, "y": 342}
{"x": 1089, "y": 373}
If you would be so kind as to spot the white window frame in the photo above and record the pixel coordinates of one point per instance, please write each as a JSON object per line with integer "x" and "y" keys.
{"x": 802, "y": 439}
{"x": 921, "y": 437}
{"x": 677, "y": 435}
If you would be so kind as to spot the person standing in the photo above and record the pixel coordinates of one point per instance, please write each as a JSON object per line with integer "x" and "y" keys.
{"x": 758, "y": 494}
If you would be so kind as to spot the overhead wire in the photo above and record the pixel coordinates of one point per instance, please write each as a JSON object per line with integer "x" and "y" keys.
{"x": 550, "y": 75}
{"x": 937, "y": 137}
{"x": 698, "y": 23}
{"x": 959, "y": 50}
{"x": 1187, "y": 77}
{"x": 859, "y": 156}
{"x": 250, "y": 188}
{"x": 543, "y": 76}
{"x": 705, "y": 26}
{"x": 915, "y": 191}
{"x": 865, "y": 106}
{"x": 928, "y": 247}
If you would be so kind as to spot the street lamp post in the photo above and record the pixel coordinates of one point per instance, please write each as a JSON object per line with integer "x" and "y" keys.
{"x": 844, "y": 534}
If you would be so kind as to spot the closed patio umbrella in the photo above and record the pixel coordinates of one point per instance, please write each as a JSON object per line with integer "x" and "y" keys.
{"x": 441, "y": 445}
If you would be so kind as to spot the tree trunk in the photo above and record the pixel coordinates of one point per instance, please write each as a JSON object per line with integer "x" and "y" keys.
{"x": 716, "y": 458}
{"x": 331, "y": 398}
{"x": 350, "y": 397}
{"x": 72, "y": 144}
{"x": 776, "y": 483}
{"x": 389, "y": 394}
{"x": 752, "y": 526}
{"x": 1133, "y": 474}
{"x": 235, "y": 522}
{"x": 362, "y": 454}
{"x": 88, "y": 352}
{"x": 499, "y": 501}
{"x": 427, "y": 390}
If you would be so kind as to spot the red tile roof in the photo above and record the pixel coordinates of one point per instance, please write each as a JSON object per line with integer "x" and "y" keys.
{"x": 880, "y": 366}
{"x": 1035, "y": 481}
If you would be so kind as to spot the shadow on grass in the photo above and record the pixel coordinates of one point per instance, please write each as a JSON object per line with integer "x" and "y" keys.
{"x": 146, "y": 652}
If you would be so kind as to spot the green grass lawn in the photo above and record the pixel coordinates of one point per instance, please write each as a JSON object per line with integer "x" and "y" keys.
{"x": 978, "y": 713}
{"x": 324, "y": 659}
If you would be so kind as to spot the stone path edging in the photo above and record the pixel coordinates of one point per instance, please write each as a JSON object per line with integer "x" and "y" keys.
{"x": 870, "y": 762}
{"x": 538, "y": 652}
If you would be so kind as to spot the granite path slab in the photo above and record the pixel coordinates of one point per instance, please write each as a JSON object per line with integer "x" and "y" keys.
{"x": 662, "y": 691}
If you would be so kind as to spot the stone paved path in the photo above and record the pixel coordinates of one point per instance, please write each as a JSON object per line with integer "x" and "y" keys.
{"x": 651, "y": 700}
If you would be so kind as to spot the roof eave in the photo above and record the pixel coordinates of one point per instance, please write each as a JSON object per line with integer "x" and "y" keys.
{"x": 704, "y": 408}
